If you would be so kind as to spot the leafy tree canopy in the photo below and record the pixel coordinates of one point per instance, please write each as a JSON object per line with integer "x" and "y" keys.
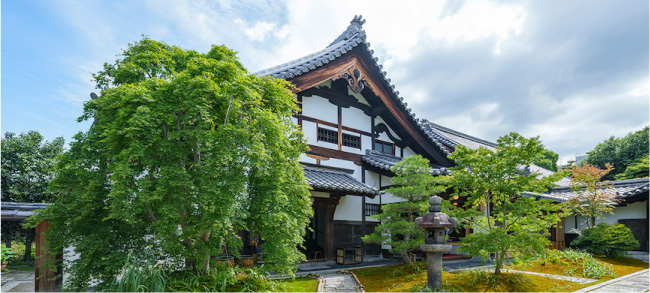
{"x": 414, "y": 184}
{"x": 28, "y": 166}
{"x": 637, "y": 169}
{"x": 497, "y": 181}
{"x": 591, "y": 200}
{"x": 547, "y": 159}
{"x": 620, "y": 152}
{"x": 186, "y": 149}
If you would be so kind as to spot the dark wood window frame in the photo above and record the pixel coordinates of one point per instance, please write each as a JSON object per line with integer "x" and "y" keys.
{"x": 352, "y": 141}
{"x": 327, "y": 135}
{"x": 384, "y": 144}
{"x": 373, "y": 209}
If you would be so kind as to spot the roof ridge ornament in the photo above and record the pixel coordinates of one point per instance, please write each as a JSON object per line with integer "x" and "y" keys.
{"x": 355, "y": 28}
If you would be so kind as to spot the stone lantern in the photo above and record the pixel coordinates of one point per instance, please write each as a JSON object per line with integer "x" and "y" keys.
{"x": 435, "y": 223}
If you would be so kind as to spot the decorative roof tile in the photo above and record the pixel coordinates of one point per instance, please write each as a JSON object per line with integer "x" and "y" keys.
{"x": 385, "y": 161}
{"x": 337, "y": 181}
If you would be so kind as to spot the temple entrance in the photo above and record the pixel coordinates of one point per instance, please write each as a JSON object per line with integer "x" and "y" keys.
{"x": 318, "y": 239}
{"x": 315, "y": 239}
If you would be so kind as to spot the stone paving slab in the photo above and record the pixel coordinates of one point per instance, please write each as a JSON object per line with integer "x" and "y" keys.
{"x": 339, "y": 283}
{"x": 17, "y": 281}
{"x": 635, "y": 282}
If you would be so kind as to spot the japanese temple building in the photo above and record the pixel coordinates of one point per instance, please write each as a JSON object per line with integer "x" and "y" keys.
{"x": 357, "y": 127}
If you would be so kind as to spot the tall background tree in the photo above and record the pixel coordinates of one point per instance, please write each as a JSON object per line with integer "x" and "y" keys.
{"x": 27, "y": 168}
{"x": 496, "y": 181}
{"x": 414, "y": 184}
{"x": 186, "y": 150}
{"x": 547, "y": 159}
{"x": 620, "y": 152}
{"x": 637, "y": 169}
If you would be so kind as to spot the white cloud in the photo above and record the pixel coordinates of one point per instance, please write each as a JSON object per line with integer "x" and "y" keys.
{"x": 261, "y": 30}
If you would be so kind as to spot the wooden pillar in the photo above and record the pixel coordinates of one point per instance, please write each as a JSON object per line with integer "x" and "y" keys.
{"x": 44, "y": 276}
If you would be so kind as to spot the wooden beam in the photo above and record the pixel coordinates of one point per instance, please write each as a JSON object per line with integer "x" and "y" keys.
{"x": 354, "y": 58}
{"x": 321, "y": 151}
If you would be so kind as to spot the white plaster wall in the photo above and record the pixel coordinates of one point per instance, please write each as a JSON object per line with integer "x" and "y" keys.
{"x": 305, "y": 159}
{"x": 408, "y": 152}
{"x": 355, "y": 118}
{"x": 366, "y": 143}
{"x": 635, "y": 210}
{"x": 371, "y": 219}
{"x": 383, "y": 137}
{"x": 349, "y": 209}
{"x": 320, "y": 108}
{"x": 393, "y": 133}
{"x": 309, "y": 129}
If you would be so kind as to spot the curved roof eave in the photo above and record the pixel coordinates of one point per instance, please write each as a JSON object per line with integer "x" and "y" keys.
{"x": 352, "y": 37}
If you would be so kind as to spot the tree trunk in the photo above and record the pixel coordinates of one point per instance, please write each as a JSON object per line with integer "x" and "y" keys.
{"x": 498, "y": 260}
{"x": 206, "y": 262}
{"x": 593, "y": 222}
{"x": 405, "y": 257}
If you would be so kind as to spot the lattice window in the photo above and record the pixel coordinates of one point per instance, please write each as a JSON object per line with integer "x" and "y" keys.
{"x": 352, "y": 141}
{"x": 373, "y": 209}
{"x": 328, "y": 135}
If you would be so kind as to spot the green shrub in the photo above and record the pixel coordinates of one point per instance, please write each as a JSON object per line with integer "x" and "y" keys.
{"x": 221, "y": 278}
{"x": 143, "y": 277}
{"x": 610, "y": 240}
{"x": 594, "y": 269}
{"x": 7, "y": 253}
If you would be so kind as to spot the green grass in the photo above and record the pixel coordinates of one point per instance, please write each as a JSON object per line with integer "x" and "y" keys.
{"x": 298, "y": 285}
{"x": 401, "y": 278}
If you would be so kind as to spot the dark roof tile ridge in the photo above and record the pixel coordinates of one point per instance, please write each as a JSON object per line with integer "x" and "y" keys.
{"x": 614, "y": 183}
{"x": 370, "y": 152}
{"x": 351, "y": 37}
{"x": 325, "y": 170}
{"x": 427, "y": 125}
{"x": 461, "y": 134}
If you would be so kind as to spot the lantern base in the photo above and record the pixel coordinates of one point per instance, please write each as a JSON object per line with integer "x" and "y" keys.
{"x": 433, "y": 248}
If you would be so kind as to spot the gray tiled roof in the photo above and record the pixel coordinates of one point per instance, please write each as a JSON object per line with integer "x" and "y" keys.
{"x": 337, "y": 181}
{"x": 20, "y": 210}
{"x": 621, "y": 188}
{"x": 352, "y": 37}
{"x": 451, "y": 138}
{"x": 386, "y": 161}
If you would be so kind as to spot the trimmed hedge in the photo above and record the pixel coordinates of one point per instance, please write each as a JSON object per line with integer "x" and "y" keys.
{"x": 610, "y": 240}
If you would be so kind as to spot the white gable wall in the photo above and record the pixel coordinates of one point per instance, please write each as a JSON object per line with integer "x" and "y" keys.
{"x": 635, "y": 210}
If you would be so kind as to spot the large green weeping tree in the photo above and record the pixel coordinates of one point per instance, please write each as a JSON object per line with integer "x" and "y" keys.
{"x": 186, "y": 149}
{"x": 497, "y": 180}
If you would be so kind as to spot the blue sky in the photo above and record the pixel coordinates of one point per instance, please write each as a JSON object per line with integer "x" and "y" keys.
{"x": 573, "y": 73}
